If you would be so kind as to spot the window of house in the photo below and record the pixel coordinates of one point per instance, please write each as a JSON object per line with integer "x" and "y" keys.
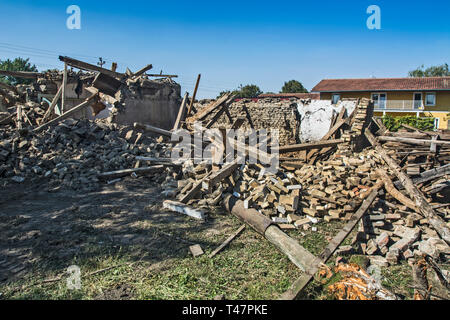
{"x": 335, "y": 97}
{"x": 379, "y": 100}
{"x": 430, "y": 99}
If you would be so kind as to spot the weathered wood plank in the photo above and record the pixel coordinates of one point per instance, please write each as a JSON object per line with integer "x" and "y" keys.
{"x": 227, "y": 241}
{"x": 184, "y": 209}
{"x": 307, "y": 146}
{"x": 126, "y": 172}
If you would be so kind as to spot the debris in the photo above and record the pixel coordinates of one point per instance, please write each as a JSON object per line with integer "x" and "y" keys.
{"x": 196, "y": 250}
{"x": 183, "y": 208}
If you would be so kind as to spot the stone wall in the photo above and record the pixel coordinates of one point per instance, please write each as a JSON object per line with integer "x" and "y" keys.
{"x": 269, "y": 113}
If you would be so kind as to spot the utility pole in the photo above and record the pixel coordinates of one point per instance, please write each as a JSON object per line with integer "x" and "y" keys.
{"x": 101, "y": 62}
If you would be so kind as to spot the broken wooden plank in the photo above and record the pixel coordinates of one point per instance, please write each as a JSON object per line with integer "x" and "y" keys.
{"x": 195, "y": 189}
{"x": 389, "y": 186}
{"x": 313, "y": 145}
{"x": 218, "y": 176}
{"x": 149, "y": 128}
{"x": 63, "y": 92}
{"x": 52, "y": 105}
{"x": 427, "y": 176}
{"x": 79, "y": 107}
{"x": 8, "y": 119}
{"x": 126, "y": 172}
{"x": 89, "y": 67}
{"x": 210, "y": 108}
{"x": 21, "y": 74}
{"x": 194, "y": 95}
{"x": 220, "y": 112}
{"x": 141, "y": 71}
{"x": 422, "y": 142}
{"x": 294, "y": 290}
{"x": 184, "y": 209}
{"x": 226, "y": 242}
{"x": 181, "y": 113}
{"x": 421, "y": 202}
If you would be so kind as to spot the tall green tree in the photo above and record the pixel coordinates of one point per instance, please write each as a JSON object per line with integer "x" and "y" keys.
{"x": 248, "y": 91}
{"x": 18, "y": 64}
{"x": 293, "y": 86}
{"x": 433, "y": 71}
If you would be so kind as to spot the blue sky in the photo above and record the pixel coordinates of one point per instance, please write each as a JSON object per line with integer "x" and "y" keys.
{"x": 233, "y": 42}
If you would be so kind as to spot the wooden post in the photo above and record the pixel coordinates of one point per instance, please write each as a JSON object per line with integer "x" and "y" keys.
{"x": 64, "y": 83}
{"x": 193, "y": 96}
{"x": 181, "y": 112}
{"x": 114, "y": 66}
{"x": 19, "y": 117}
{"x": 52, "y": 105}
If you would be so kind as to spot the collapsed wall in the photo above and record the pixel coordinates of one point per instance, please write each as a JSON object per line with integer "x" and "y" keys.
{"x": 265, "y": 113}
{"x": 153, "y": 102}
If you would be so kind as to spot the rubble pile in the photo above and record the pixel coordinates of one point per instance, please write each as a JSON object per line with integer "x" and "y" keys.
{"x": 72, "y": 153}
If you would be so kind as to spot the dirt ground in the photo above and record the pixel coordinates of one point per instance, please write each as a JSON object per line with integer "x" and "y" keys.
{"x": 128, "y": 247}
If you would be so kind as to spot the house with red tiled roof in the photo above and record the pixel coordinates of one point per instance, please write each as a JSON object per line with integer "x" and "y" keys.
{"x": 395, "y": 96}
{"x": 312, "y": 96}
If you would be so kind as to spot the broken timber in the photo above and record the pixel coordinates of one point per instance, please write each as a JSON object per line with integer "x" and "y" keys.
{"x": 193, "y": 96}
{"x": 226, "y": 242}
{"x": 422, "y": 142}
{"x": 52, "y": 105}
{"x": 307, "y": 146}
{"x": 89, "y": 67}
{"x": 126, "y": 172}
{"x": 147, "y": 127}
{"x": 218, "y": 176}
{"x": 298, "y": 255}
{"x": 79, "y": 107}
{"x": 293, "y": 292}
{"x": 181, "y": 113}
{"x": 421, "y": 202}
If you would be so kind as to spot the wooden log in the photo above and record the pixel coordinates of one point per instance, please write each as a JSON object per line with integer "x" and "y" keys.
{"x": 66, "y": 115}
{"x": 181, "y": 113}
{"x": 421, "y": 202}
{"x": 421, "y": 142}
{"x": 226, "y": 242}
{"x": 149, "y": 128}
{"x": 89, "y": 67}
{"x": 298, "y": 255}
{"x": 294, "y": 290}
{"x": 313, "y": 145}
{"x": 194, "y": 95}
{"x": 126, "y": 172}
{"x": 184, "y": 209}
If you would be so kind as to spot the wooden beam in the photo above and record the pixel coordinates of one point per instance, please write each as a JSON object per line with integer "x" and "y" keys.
{"x": 421, "y": 142}
{"x": 295, "y": 289}
{"x": 147, "y": 127}
{"x": 141, "y": 71}
{"x": 181, "y": 113}
{"x": 313, "y": 145}
{"x": 63, "y": 93}
{"x": 427, "y": 176}
{"x": 8, "y": 119}
{"x": 52, "y": 105}
{"x": 218, "y": 176}
{"x": 163, "y": 75}
{"x": 195, "y": 189}
{"x": 66, "y": 115}
{"x": 194, "y": 95}
{"x": 227, "y": 242}
{"x": 126, "y": 172}
{"x": 421, "y": 202}
{"x": 298, "y": 255}
{"x": 389, "y": 186}
{"x": 89, "y": 67}
{"x": 21, "y": 74}
{"x": 220, "y": 112}
{"x": 213, "y": 106}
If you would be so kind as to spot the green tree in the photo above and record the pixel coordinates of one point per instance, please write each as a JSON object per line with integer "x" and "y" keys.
{"x": 433, "y": 71}
{"x": 293, "y": 86}
{"x": 248, "y": 91}
{"x": 18, "y": 64}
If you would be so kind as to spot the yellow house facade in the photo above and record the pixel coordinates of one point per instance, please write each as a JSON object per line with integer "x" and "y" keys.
{"x": 395, "y": 96}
